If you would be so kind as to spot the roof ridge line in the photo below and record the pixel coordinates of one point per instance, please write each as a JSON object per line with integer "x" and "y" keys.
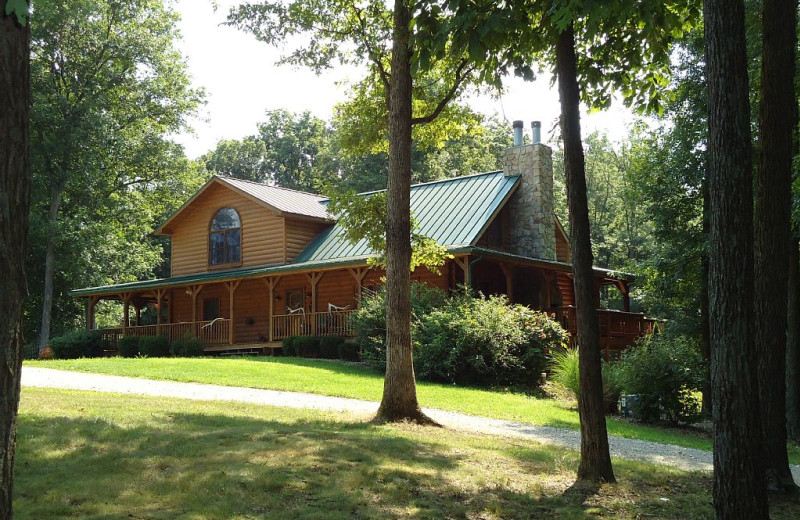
{"x": 265, "y": 185}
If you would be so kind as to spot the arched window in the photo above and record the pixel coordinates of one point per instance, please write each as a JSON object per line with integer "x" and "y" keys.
{"x": 225, "y": 238}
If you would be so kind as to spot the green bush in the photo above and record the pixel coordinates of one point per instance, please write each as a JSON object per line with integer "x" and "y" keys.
{"x": 129, "y": 346}
{"x": 464, "y": 339}
{"x": 307, "y": 346}
{"x": 664, "y": 371}
{"x": 369, "y": 320}
{"x": 564, "y": 370}
{"x": 290, "y": 346}
{"x": 78, "y": 344}
{"x": 330, "y": 346}
{"x": 154, "y": 346}
{"x": 348, "y": 350}
{"x": 188, "y": 346}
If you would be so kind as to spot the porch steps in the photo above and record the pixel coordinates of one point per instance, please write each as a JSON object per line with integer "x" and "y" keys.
{"x": 239, "y": 349}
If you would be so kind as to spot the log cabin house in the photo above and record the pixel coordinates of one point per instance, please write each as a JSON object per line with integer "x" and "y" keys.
{"x": 252, "y": 264}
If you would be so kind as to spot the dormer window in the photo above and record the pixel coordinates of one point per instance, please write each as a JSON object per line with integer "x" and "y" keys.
{"x": 225, "y": 238}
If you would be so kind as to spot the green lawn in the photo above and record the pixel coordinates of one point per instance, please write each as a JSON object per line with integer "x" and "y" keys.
{"x": 99, "y": 456}
{"x": 344, "y": 380}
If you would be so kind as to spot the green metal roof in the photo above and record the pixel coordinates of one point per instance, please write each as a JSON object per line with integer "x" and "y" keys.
{"x": 453, "y": 212}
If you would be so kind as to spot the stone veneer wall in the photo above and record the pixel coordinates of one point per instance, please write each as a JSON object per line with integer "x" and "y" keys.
{"x": 532, "y": 230}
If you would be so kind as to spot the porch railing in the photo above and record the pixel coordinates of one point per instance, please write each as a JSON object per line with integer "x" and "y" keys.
{"x": 212, "y": 332}
{"x": 617, "y": 329}
{"x": 314, "y": 324}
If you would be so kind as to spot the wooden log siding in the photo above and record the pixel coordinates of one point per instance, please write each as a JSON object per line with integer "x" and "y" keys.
{"x": 262, "y": 232}
{"x": 250, "y": 324}
{"x": 300, "y": 233}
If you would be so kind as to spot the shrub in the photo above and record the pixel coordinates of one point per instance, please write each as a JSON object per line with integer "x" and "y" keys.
{"x": 290, "y": 346}
{"x": 129, "y": 346}
{"x": 664, "y": 371}
{"x": 81, "y": 343}
{"x": 188, "y": 346}
{"x": 329, "y": 346}
{"x": 154, "y": 346}
{"x": 307, "y": 346}
{"x": 348, "y": 350}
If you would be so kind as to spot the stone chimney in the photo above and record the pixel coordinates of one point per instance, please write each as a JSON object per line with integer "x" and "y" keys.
{"x": 532, "y": 232}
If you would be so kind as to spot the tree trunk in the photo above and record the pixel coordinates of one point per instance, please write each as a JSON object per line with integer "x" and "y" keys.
{"x": 49, "y": 270}
{"x": 772, "y": 218}
{"x": 14, "y": 200}
{"x": 739, "y": 481}
{"x": 399, "y": 401}
{"x": 793, "y": 346}
{"x": 595, "y": 462}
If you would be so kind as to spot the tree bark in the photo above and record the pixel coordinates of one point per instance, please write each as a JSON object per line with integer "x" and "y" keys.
{"x": 595, "y": 462}
{"x": 49, "y": 270}
{"x": 739, "y": 481}
{"x": 14, "y": 200}
{"x": 793, "y": 346}
{"x": 399, "y": 401}
{"x": 705, "y": 330}
{"x": 772, "y": 218}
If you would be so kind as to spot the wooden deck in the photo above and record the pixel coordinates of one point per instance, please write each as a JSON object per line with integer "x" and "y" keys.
{"x": 618, "y": 330}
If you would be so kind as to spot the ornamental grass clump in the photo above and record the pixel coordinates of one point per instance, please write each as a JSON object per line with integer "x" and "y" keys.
{"x": 564, "y": 371}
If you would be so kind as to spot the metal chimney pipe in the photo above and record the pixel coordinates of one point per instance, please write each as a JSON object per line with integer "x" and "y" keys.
{"x": 536, "y": 131}
{"x": 517, "y": 133}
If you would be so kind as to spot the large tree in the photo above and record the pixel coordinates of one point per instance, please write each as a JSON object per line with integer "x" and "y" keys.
{"x": 108, "y": 86}
{"x": 772, "y": 229}
{"x": 739, "y": 479}
{"x": 14, "y": 193}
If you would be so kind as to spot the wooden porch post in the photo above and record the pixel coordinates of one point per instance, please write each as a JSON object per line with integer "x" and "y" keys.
{"x": 508, "y": 272}
{"x": 194, "y": 290}
{"x": 159, "y": 301}
{"x": 313, "y": 279}
{"x": 463, "y": 263}
{"x": 358, "y": 273}
{"x": 271, "y": 283}
{"x": 232, "y": 285}
{"x": 626, "y": 297}
{"x": 126, "y": 298}
{"x": 548, "y": 289}
{"x": 90, "y": 312}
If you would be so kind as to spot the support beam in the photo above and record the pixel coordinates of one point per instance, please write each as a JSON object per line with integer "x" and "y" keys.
{"x": 92, "y": 301}
{"x": 463, "y": 263}
{"x": 138, "y": 314}
{"x": 358, "y": 274}
{"x": 160, "y": 293}
{"x": 508, "y": 272}
{"x": 232, "y": 286}
{"x": 271, "y": 283}
{"x": 626, "y": 296}
{"x": 313, "y": 279}
{"x": 548, "y": 289}
{"x": 193, "y": 291}
{"x": 126, "y": 300}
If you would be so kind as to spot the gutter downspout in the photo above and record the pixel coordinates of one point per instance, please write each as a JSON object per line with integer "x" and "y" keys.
{"x": 469, "y": 268}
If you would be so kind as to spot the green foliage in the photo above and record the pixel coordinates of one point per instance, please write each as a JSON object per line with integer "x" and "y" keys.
{"x": 664, "y": 371}
{"x": 129, "y": 346}
{"x": 78, "y": 344}
{"x": 154, "y": 346}
{"x": 18, "y": 8}
{"x": 565, "y": 371}
{"x": 108, "y": 89}
{"x": 330, "y": 347}
{"x": 290, "y": 346}
{"x": 307, "y": 346}
{"x": 349, "y": 351}
{"x": 464, "y": 339}
{"x": 187, "y": 346}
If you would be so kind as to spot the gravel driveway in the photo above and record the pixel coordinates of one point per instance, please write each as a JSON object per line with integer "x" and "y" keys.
{"x": 683, "y": 458}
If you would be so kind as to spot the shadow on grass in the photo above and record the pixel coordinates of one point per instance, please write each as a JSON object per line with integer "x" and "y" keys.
{"x": 167, "y": 463}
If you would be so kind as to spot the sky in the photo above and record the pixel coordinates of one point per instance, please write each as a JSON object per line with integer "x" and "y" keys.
{"x": 242, "y": 82}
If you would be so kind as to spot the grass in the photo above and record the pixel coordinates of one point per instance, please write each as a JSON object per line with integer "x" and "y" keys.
{"x": 98, "y": 456}
{"x": 357, "y": 382}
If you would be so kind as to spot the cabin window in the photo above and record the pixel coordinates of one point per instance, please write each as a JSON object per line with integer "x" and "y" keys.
{"x": 211, "y": 309}
{"x": 295, "y": 299}
{"x": 225, "y": 238}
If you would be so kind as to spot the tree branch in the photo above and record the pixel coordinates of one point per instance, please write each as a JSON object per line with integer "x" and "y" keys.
{"x": 462, "y": 72}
